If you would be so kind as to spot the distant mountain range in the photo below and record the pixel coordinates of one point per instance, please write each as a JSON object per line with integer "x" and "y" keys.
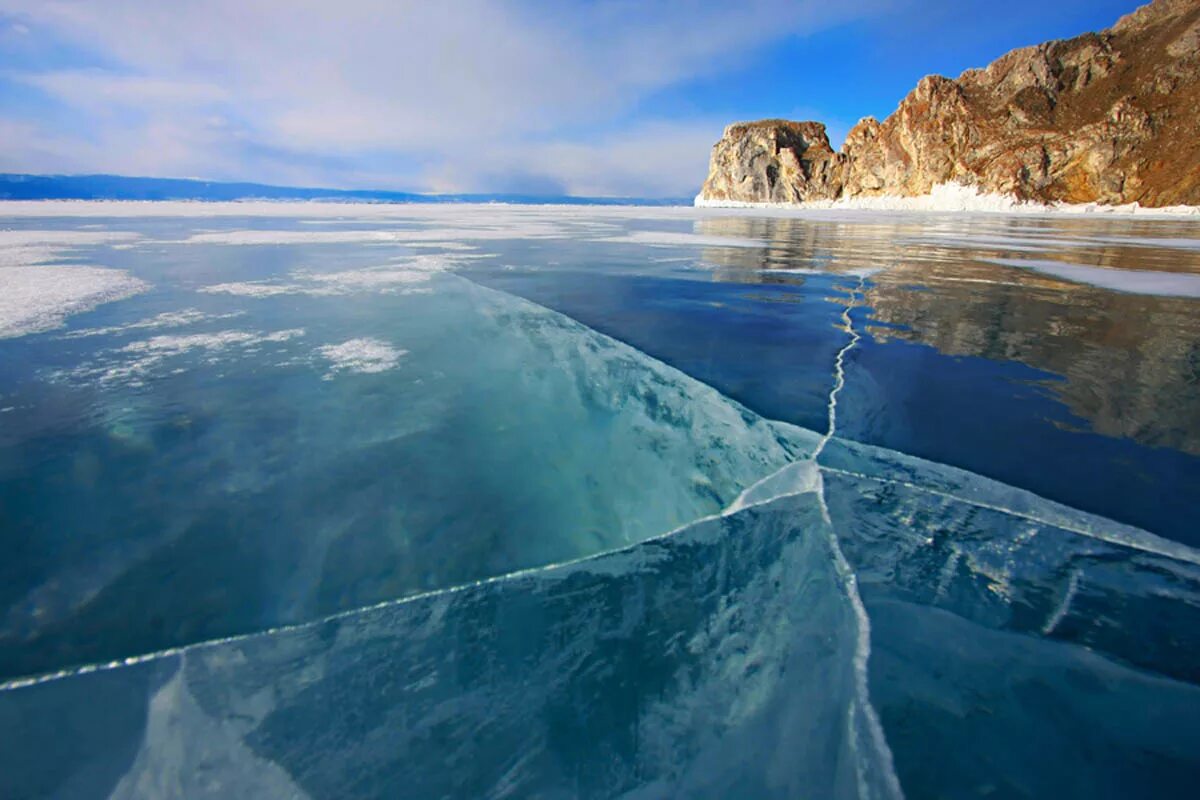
{"x": 118, "y": 187}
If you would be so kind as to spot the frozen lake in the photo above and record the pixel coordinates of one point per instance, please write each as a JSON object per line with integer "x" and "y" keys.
{"x": 303, "y": 499}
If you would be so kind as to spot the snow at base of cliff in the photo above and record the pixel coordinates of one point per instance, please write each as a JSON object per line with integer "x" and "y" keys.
{"x": 956, "y": 197}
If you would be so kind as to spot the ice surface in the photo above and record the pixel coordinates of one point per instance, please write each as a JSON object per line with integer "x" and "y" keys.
{"x": 534, "y": 561}
{"x": 1032, "y": 241}
{"x": 717, "y": 660}
{"x": 672, "y": 239}
{"x": 293, "y": 237}
{"x": 567, "y": 442}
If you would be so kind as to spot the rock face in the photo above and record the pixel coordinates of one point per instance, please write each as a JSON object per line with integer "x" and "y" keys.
{"x": 774, "y": 161}
{"x": 1109, "y": 117}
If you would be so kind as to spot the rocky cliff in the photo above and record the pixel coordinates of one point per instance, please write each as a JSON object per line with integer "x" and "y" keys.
{"x": 1108, "y": 117}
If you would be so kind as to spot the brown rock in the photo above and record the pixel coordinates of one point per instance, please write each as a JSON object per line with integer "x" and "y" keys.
{"x": 1109, "y": 117}
{"x": 775, "y": 160}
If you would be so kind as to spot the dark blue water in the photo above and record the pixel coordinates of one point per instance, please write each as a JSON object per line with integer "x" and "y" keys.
{"x": 768, "y": 346}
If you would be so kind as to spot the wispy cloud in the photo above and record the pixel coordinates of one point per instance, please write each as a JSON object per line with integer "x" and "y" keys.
{"x": 469, "y": 94}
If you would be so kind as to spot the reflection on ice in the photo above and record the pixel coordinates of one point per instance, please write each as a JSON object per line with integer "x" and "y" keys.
{"x": 1166, "y": 284}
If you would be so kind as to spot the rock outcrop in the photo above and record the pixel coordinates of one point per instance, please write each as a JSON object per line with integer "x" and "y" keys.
{"x": 1110, "y": 117}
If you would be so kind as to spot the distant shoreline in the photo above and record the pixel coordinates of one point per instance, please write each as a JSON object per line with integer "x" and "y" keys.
{"x": 25, "y": 187}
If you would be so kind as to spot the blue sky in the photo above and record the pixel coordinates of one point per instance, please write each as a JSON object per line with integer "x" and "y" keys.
{"x": 592, "y": 97}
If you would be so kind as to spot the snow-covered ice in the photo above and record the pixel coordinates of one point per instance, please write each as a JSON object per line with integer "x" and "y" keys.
{"x": 40, "y": 298}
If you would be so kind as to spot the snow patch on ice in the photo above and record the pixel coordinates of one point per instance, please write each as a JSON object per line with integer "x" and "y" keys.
{"x": 23, "y": 248}
{"x": 136, "y": 361}
{"x": 254, "y": 288}
{"x": 395, "y": 278}
{"x": 167, "y": 319}
{"x": 249, "y": 237}
{"x": 40, "y": 298}
{"x": 64, "y": 238}
{"x": 682, "y": 239}
{"x": 467, "y": 227}
{"x": 1166, "y": 284}
{"x": 38, "y": 292}
{"x": 364, "y": 356}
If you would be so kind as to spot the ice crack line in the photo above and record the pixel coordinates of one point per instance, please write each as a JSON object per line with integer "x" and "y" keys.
{"x": 1064, "y": 606}
{"x": 839, "y": 368}
{"x": 862, "y": 647}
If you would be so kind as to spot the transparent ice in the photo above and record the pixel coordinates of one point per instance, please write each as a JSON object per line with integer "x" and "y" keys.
{"x": 369, "y": 528}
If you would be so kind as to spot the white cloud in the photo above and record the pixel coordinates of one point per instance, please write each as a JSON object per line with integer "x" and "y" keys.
{"x": 365, "y": 91}
{"x": 647, "y": 160}
{"x": 102, "y": 90}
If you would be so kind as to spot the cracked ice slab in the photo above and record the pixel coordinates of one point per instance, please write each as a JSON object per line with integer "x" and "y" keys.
{"x": 569, "y": 443}
{"x": 722, "y": 654}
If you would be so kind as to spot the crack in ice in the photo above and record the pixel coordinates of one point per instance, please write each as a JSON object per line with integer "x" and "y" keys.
{"x": 862, "y": 649}
{"x": 808, "y": 477}
{"x": 839, "y": 367}
{"x": 1064, "y": 606}
{"x": 1144, "y": 541}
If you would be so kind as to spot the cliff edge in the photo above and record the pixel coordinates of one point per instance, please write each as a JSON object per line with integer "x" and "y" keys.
{"x": 1110, "y": 117}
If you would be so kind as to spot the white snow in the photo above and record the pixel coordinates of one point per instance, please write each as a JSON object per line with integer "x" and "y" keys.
{"x": 26, "y": 238}
{"x": 396, "y": 278}
{"x": 255, "y": 288}
{"x": 255, "y": 237}
{"x": 167, "y": 319}
{"x": 39, "y": 298}
{"x": 362, "y": 356}
{"x": 683, "y": 239}
{"x": 957, "y": 197}
{"x": 135, "y": 361}
{"x": 38, "y": 292}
